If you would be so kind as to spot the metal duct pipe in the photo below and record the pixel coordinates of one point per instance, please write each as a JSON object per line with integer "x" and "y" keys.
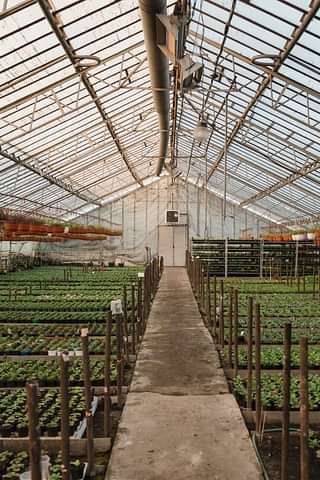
{"x": 159, "y": 72}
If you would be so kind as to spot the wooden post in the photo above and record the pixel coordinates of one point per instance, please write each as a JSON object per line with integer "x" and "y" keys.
{"x": 314, "y": 284}
{"x": 214, "y": 306}
{"x": 119, "y": 359}
{"x": 161, "y": 265}
{"x": 145, "y": 300}
{"x": 88, "y": 399}
{"x": 236, "y": 330}
{"x": 125, "y": 323}
{"x": 139, "y": 309}
{"x": 34, "y": 434}
{"x": 107, "y": 371}
{"x": 202, "y": 301}
{"x": 286, "y": 402}
{"x": 199, "y": 281}
{"x": 230, "y": 327}
{"x": 258, "y": 368}
{"x": 261, "y": 258}
{"x": 208, "y": 300}
{"x": 65, "y": 430}
{"x": 133, "y": 320}
{"x": 221, "y": 316}
{"x": 304, "y": 410}
{"x": 296, "y": 262}
{"x": 196, "y": 277}
{"x": 249, "y": 353}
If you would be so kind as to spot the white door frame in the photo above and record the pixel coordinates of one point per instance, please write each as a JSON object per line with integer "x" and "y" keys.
{"x": 172, "y": 246}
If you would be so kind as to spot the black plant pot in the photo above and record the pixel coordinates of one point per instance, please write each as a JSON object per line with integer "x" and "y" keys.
{"x": 53, "y": 431}
{"x": 6, "y": 430}
{"x": 22, "y": 431}
{"x": 76, "y": 471}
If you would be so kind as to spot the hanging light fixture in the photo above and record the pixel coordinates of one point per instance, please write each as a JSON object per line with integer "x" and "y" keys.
{"x": 202, "y": 131}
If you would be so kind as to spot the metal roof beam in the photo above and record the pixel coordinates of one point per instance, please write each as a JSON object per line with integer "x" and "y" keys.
{"x": 271, "y": 135}
{"x": 58, "y": 83}
{"x": 247, "y": 183}
{"x": 305, "y": 170}
{"x": 265, "y": 170}
{"x": 56, "y": 25}
{"x": 301, "y": 220}
{"x": 50, "y": 178}
{"x": 284, "y": 53}
{"x": 248, "y": 61}
{"x": 7, "y": 12}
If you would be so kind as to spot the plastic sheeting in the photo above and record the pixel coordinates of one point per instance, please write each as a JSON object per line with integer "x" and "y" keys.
{"x": 140, "y": 214}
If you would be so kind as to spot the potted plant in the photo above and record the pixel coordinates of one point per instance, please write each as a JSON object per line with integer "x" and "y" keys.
{"x": 299, "y": 235}
{"x": 311, "y": 235}
{"x": 52, "y": 428}
{"x": 22, "y": 429}
{"x": 6, "y": 429}
{"x": 76, "y": 469}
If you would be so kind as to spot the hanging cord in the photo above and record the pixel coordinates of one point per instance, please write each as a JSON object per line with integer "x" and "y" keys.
{"x": 225, "y": 36}
{"x": 190, "y": 158}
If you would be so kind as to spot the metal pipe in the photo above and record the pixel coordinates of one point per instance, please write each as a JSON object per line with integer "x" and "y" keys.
{"x": 159, "y": 72}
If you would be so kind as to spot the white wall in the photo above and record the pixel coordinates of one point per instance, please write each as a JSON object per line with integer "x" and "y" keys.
{"x": 141, "y": 212}
{"x": 24, "y": 248}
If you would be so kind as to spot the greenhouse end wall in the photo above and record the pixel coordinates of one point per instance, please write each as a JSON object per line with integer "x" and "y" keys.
{"x": 141, "y": 212}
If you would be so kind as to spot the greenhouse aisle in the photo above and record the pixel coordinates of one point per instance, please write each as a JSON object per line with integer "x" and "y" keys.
{"x": 180, "y": 421}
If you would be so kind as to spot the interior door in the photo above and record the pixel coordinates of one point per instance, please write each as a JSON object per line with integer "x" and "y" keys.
{"x": 172, "y": 244}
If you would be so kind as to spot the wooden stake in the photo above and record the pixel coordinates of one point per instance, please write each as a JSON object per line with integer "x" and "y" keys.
{"x": 249, "y": 361}
{"x": 230, "y": 326}
{"x": 214, "y": 306}
{"x": 88, "y": 399}
{"x": 258, "y": 368}
{"x": 236, "y": 330}
{"x": 133, "y": 320}
{"x": 119, "y": 360}
{"x": 286, "y": 402}
{"x": 34, "y": 434}
{"x": 125, "y": 323}
{"x": 208, "y": 300}
{"x": 65, "y": 430}
{"x": 314, "y": 284}
{"x": 139, "y": 310}
{"x": 221, "y": 316}
{"x": 304, "y": 410}
{"x": 107, "y": 372}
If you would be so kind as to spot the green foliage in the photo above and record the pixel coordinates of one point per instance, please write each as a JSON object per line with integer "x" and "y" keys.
{"x": 272, "y": 391}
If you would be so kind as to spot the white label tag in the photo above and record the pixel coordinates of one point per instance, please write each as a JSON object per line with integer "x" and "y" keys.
{"x": 84, "y": 332}
{"x": 116, "y": 307}
{"x": 140, "y": 274}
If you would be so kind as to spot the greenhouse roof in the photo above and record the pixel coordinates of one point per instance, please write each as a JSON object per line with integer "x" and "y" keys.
{"x": 77, "y": 120}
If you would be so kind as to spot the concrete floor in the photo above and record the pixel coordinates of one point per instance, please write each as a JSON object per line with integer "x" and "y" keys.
{"x": 180, "y": 422}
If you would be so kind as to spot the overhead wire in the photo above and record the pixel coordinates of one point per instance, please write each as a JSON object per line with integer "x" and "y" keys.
{"x": 220, "y": 52}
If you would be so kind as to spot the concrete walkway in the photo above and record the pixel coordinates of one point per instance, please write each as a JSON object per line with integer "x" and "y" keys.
{"x": 180, "y": 422}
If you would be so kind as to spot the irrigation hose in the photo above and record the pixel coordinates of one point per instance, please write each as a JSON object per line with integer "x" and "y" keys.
{"x": 256, "y": 449}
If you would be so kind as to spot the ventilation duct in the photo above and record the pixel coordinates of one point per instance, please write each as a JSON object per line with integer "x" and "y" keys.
{"x": 159, "y": 71}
